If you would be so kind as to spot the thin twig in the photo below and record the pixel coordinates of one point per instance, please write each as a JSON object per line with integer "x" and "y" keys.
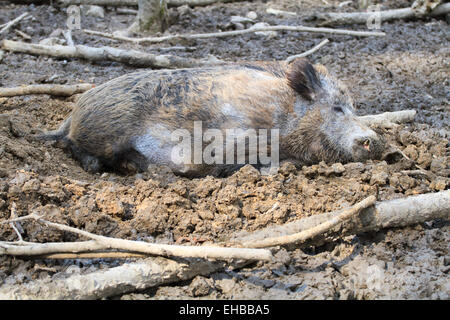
{"x": 234, "y": 33}
{"x": 424, "y": 172}
{"x": 307, "y": 53}
{"x": 11, "y": 23}
{"x": 22, "y": 34}
{"x": 68, "y": 36}
{"x": 389, "y": 119}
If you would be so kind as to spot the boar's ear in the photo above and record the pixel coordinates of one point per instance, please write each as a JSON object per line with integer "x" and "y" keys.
{"x": 303, "y": 78}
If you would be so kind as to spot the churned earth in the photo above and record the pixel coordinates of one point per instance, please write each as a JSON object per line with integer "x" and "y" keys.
{"x": 407, "y": 69}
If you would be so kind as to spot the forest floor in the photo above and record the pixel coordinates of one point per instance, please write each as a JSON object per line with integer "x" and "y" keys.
{"x": 406, "y": 69}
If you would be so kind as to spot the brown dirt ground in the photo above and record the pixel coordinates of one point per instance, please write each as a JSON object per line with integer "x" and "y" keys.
{"x": 407, "y": 69}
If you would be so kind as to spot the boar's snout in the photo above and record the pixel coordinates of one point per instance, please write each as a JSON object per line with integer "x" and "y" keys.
{"x": 367, "y": 146}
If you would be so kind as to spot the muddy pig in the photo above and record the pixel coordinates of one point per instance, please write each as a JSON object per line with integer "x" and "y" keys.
{"x": 128, "y": 122}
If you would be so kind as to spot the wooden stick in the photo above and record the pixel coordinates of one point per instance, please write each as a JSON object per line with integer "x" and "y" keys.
{"x": 130, "y": 57}
{"x": 51, "y": 89}
{"x": 332, "y": 18}
{"x": 134, "y": 3}
{"x": 143, "y": 247}
{"x": 11, "y": 23}
{"x": 385, "y": 214}
{"x": 40, "y": 249}
{"x": 89, "y": 255}
{"x": 23, "y": 34}
{"x": 314, "y": 231}
{"x": 234, "y": 33}
{"x": 389, "y": 119}
{"x": 280, "y": 12}
{"x": 129, "y": 277}
{"x": 111, "y": 3}
{"x": 307, "y": 53}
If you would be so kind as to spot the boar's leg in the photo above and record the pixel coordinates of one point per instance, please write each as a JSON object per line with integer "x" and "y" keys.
{"x": 89, "y": 162}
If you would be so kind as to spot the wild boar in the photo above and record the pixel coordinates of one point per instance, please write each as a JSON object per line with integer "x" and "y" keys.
{"x": 128, "y": 122}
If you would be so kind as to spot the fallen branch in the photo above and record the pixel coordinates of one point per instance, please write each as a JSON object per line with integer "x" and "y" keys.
{"x": 334, "y": 18}
{"x": 307, "y": 53}
{"x": 234, "y": 33}
{"x": 51, "y": 89}
{"x": 11, "y": 23}
{"x": 111, "y": 3}
{"x": 314, "y": 231}
{"x": 134, "y": 3}
{"x": 129, "y": 277}
{"x": 389, "y": 119}
{"x": 102, "y": 242}
{"x": 385, "y": 214}
{"x": 92, "y": 255}
{"x": 280, "y": 12}
{"x": 130, "y": 57}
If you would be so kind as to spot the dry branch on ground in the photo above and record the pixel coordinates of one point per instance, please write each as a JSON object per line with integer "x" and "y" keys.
{"x": 234, "y": 33}
{"x": 384, "y": 214}
{"x": 307, "y": 53}
{"x": 102, "y": 242}
{"x": 389, "y": 119}
{"x": 118, "y": 3}
{"x": 339, "y": 18}
{"x": 147, "y": 273}
{"x": 51, "y": 89}
{"x": 130, "y": 57}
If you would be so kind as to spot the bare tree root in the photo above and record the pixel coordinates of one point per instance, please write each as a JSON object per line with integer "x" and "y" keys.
{"x": 130, "y": 57}
{"x": 51, "y": 89}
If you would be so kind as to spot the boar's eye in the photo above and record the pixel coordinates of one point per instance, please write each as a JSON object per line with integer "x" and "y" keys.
{"x": 338, "y": 110}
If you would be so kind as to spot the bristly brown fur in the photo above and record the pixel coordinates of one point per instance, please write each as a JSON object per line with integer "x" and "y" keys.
{"x": 314, "y": 146}
{"x": 126, "y": 123}
{"x": 303, "y": 78}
